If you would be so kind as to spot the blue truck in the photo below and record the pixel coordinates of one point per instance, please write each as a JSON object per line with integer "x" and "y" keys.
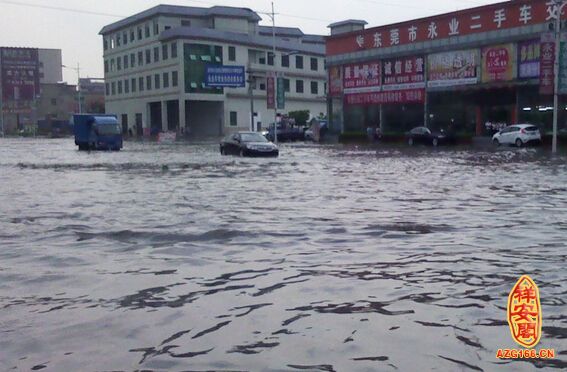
{"x": 97, "y": 132}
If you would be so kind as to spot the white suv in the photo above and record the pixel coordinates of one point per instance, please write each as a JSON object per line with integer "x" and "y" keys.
{"x": 519, "y": 135}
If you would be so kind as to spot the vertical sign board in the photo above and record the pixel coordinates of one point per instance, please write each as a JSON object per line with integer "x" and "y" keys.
{"x": 20, "y": 79}
{"x": 498, "y": 63}
{"x": 281, "y": 93}
{"x": 335, "y": 81}
{"x": 563, "y": 64}
{"x": 271, "y": 91}
{"x": 453, "y": 68}
{"x": 529, "y": 54}
{"x": 547, "y": 62}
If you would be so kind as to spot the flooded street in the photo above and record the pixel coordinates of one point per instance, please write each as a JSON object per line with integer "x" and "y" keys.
{"x": 333, "y": 258}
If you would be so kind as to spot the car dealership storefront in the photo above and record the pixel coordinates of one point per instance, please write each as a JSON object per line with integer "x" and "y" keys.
{"x": 469, "y": 71}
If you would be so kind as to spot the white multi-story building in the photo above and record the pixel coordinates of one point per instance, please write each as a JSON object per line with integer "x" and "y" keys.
{"x": 155, "y": 61}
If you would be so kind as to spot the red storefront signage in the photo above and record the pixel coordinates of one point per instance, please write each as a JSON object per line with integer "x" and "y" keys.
{"x": 404, "y": 73}
{"x": 377, "y": 98}
{"x": 359, "y": 78}
{"x": 505, "y": 15}
{"x": 498, "y": 63}
{"x": 271, "y": 92}
{"x": 547, "y": 61}
{"x": 20, "y": 78}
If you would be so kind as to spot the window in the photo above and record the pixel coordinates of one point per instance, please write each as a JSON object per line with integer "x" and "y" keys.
{"x": 132, "y": 60}
{"x": 286, "y": 85}
{"x": 148, "y": 82}
{"x": 157, "y": 81}
{"x": 132, "y": 36}
{"x": 139, "y": 33}
{"x": 164, "y": 52}
{"x": 112, "y": 43}
{"x": 262, "y": 60}
{"x": 167, "y": 28}
{"x": 174, "y": 78}
{"x": 140, "y": 58}
{"x": 231, "y": 53}
{"x": 174, "y": 50}
{"x": 118, "y": 64}
{"x": 118, "y": 40}
{"x": 107, "y": 88}
{"x": 120, "y": 87}
{"x": 54, "y": 101}
{"x": 233, "y": 119}
{"x": 126, "y": 86}
{"x": 105, "y": 66}
{"x": 156, "y": 28}
{"x": 133, "y": 83}
{"x": 262, "y": 86}
{"x": 105, "y": 44}
{"x": 147, "y": 31}
{"x": 156, "y": 54}
{"x": 166, "y": 80}
{"x": 299, "y": 86}
{"x": 314, "y": 87}
{"x": 270, "y": 58}
{"x": 113, "y": 88}
{"x": 141, "y": 84}
{"x": 148, "y": 56}
{"x": 112, "y": 65}
{"x": 299, "y": 62}
{"x": 325, "y": 89}
{"x": 285, "y": 61}
{"x": 125, "y": 37}
{"x": 185, "y": 23}
{"x": 314, "y": 64}
{"x": 125, "y": 62}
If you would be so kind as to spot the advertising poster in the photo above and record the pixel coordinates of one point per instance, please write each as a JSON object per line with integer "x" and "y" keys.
{"x": 529, "y": 59}
{"x": 359, "y": 78}
{"x": 404, "y": 73}
{"x": 453, "y": 68}
{"x": 547, "y": 61}
{"x": 335, "y": 81}
{"x": 20, "y": 78}
{"x": 498, "y": 63}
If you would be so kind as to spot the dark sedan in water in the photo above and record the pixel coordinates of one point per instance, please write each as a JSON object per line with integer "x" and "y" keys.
{"x": 423, "y": 135}
{"x": 248, "y": 144}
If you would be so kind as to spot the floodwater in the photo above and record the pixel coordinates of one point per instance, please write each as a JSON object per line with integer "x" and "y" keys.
{"x": 330, "y": 258}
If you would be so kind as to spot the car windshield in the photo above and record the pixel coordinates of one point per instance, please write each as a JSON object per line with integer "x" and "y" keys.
{"x": 108, "y": 130}
{"x": 252, "y": 137}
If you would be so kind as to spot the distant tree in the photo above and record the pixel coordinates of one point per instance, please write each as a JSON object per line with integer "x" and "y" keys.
{"x": 300, "y": 117}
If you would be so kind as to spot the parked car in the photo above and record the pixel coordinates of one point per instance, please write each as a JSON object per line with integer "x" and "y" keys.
{"x": 97, "y": 132}
{"x": 518, "y": 135}
{"x": 286, "y": 133}
{"x": 423, "y": 135}
{"x": 248, "y": 144}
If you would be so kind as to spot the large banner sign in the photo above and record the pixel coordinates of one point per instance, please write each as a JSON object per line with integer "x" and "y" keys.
{"x": 402, "y": 96}
{"x": 225, "y": 76}
{"x": 404, "y": 73}
{"x": 453, "y": 68}
{"x": 359, "y": 78}
{"x": 20, "y": 78}
{"x": 529, "y": 59}
{"x": 498, "y": 63}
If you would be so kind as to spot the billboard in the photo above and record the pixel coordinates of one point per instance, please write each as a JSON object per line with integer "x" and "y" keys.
{"x": 225, "y": 76}
{"x": 404, "y": 73}
{"x": 391, "y": 97}
{"x": 363, "y": 77}
{"x": 271, "y": 92}
{"x": 335, "y": 80}
{"x": 498, "y": 63}
{"x": 529, "y": 59}
{"x": 453, "y": 68}
{"x": 20, "y": 78}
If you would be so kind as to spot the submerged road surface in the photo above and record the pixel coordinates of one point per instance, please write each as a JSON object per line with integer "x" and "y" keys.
{"x": 171, "y": 257}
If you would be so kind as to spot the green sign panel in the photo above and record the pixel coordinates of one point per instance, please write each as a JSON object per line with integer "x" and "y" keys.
{"x": 281, "y": 94}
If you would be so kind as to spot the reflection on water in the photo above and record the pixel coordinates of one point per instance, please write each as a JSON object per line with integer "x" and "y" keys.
{"x": 328, "y": 258}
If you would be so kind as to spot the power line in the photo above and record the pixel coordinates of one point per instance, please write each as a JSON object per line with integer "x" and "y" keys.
{"x": 63, "y": 9}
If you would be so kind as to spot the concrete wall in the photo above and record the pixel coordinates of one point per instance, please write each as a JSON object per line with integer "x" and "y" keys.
{"x": 50, "y": 70}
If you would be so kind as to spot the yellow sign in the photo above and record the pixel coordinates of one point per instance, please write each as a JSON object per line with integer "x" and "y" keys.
{"x": 524, "y": 313}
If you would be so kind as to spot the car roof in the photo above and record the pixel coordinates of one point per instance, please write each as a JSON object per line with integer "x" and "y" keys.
{"x": 523, "y": 125}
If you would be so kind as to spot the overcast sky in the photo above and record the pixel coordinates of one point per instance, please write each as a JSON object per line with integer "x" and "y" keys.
{"x": 25, "y": 23}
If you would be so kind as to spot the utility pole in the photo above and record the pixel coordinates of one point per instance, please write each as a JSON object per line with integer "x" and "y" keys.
{"x": 275, "y": 72}
{"x": 79, "y": 87}
{"x": 559, "y": 5}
